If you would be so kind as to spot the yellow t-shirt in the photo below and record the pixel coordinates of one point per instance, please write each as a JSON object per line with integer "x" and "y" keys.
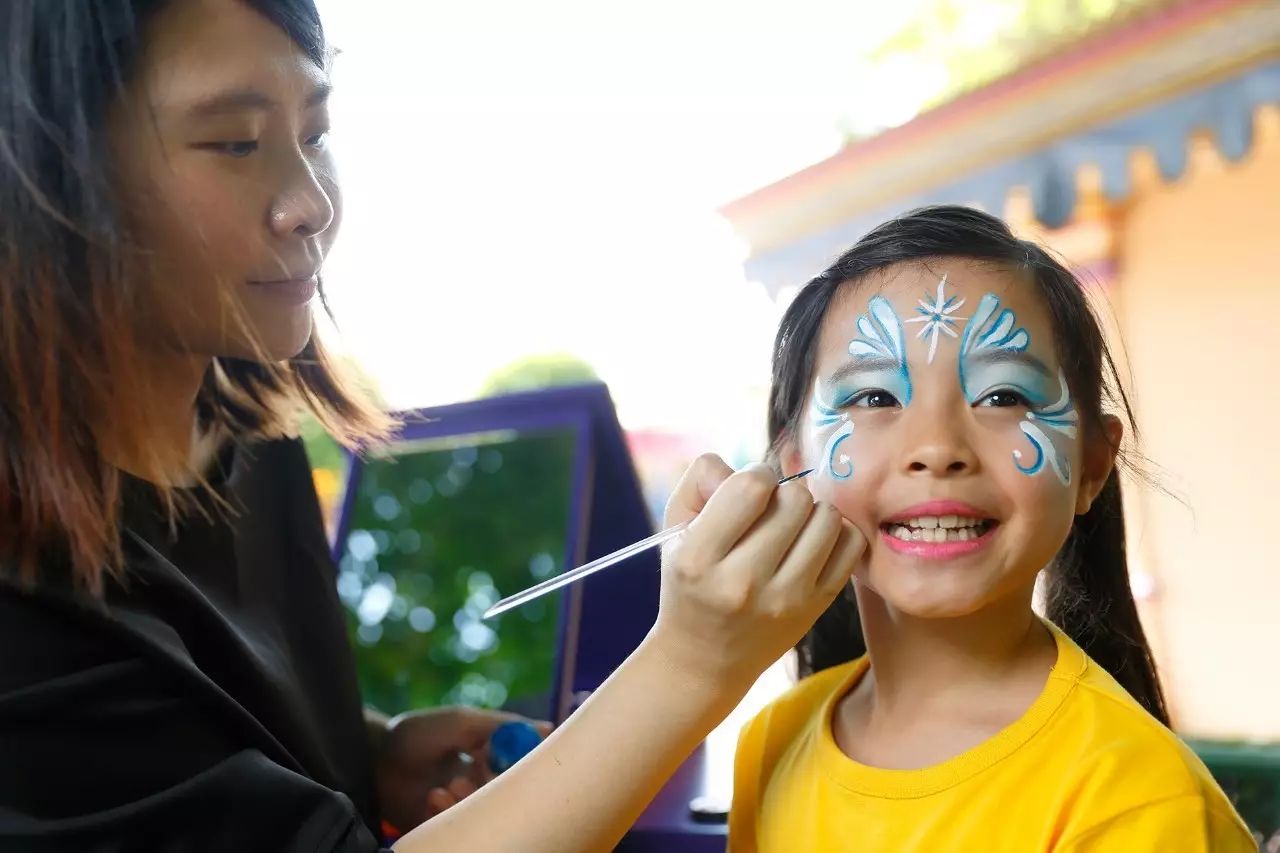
{"x": 1084, "y": 769}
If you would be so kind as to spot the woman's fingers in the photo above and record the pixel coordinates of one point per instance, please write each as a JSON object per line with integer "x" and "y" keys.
{"x": 439, "y": 799}
{"x": 797, "y": 575}
{"x": 699, "y": 482}
{"x": 461, "y": 788}
{"x": 734, "y": 508}
{"x": 849, "y": 548}
{"x": 774, "y": 534}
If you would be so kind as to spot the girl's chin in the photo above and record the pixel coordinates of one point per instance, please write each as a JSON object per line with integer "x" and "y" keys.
{"x": 927, "y": 598}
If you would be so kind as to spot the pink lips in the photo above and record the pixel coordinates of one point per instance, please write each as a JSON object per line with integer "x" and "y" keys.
{"x": 290, "y": 291}
{"x": 937, "y": 550}
{"x": 938, "y": 508}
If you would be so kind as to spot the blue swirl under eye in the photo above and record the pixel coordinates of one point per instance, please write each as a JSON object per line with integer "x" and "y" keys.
{"x": 833, "y": 463}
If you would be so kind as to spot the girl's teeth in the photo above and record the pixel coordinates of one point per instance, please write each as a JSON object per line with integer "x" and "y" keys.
{"x": 941, "y": 522}
{"x": 933, "y": 534}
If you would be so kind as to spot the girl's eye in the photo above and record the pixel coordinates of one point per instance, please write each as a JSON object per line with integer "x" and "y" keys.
{"x": 237, "y": 148}
{"x": 874, "y": 400}
{"x": 1003, "y": 399}
{"x": 319, "y": 140}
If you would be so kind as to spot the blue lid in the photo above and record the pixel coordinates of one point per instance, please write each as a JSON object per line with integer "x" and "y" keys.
{"x": 511, "y": 742}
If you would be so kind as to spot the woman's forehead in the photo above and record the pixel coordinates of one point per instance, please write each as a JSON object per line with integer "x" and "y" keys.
{"x": 199, "y": 48}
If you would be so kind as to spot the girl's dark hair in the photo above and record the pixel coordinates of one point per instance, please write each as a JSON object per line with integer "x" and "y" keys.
{"x": 67, "y": 343}
{"x": 1087, "y": 585}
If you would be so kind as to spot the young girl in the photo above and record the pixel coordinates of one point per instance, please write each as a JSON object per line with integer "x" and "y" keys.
{"x": 174, "y": 666}
{"x": 953, "y": 390}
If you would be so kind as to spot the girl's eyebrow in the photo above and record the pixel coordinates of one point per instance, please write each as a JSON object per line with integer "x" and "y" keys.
{"x": 874, "y": 364}
{"x": 862, "y": 364}
{"x": 996, "y": 355}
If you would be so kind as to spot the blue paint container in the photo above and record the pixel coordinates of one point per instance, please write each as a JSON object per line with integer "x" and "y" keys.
{"x": 511, "y": 742}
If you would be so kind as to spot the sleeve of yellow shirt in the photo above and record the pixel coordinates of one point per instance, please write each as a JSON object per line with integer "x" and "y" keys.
{"x": 1185, "y": 824}
{"x": 747, "y": 768}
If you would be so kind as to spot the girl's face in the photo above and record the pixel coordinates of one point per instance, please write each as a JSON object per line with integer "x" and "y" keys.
{"x": 226, "y": 181}
{"x": 940, "y": 418}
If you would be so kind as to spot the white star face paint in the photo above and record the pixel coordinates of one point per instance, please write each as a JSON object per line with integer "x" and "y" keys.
{"x": 994, "y": 360}
{"x": 939, "y": 317}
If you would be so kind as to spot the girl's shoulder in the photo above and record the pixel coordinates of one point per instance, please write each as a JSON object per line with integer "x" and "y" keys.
{"x": 806, "y": 701}
{"x": 1122, "y": 755}
{"x": 792, "y": 721}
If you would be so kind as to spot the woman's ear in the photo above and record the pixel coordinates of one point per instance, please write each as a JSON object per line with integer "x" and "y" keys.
{"x": 1099, "y": 461}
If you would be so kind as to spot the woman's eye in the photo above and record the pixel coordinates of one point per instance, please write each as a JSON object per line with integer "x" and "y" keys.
{"x": 236, "y": 148}
{"x": 874, "y": 400}
{"x": 1003, "y": 399}
{"x": 319, "y": 140}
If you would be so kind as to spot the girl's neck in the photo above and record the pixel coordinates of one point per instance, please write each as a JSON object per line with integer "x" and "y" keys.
{"x": 927, "y": 666}
{"x": 166, "y": 385}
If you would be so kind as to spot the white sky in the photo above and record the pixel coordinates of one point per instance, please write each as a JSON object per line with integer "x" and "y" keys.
{"x": 527, "y": 177}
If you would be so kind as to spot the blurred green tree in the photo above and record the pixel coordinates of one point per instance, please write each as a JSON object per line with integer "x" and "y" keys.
{"x": 437, "y": 534}
{"x": 439, "y": 531}
{"x": 544, "y": 370}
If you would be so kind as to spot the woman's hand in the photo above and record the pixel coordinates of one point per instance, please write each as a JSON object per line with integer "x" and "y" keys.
{"x": 430, "y": 760}
{"x": 757, "y": 565}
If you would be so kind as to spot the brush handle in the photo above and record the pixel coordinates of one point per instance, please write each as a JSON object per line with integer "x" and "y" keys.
{"x": 539, "y": 590}
{"x": 582, "y": 571}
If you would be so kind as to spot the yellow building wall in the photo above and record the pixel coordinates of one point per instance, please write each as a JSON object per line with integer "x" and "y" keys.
{"x": 1198, "y": 302}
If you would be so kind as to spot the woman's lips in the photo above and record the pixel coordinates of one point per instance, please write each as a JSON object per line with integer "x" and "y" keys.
{"x": 290, "y": 291}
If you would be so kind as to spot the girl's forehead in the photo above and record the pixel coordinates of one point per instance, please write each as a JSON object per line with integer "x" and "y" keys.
{"x": 919, "y": 288}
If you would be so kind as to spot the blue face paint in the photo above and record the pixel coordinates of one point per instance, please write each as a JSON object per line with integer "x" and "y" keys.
{"x": 993, "y": 370}
{"x": 879, "y": 361}
{"x": 993, "y": 358}
{"x": 825, "y": 417}
{"x": 1060, "y": 417}
{"x": 990, "y": 330}
{"x": 881, "y": 350}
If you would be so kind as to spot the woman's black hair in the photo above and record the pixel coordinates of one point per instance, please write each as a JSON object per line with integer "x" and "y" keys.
{"x": 1087, "y": 585}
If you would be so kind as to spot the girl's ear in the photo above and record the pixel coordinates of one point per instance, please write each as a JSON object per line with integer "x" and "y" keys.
{"x": 1099, "y": 461}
